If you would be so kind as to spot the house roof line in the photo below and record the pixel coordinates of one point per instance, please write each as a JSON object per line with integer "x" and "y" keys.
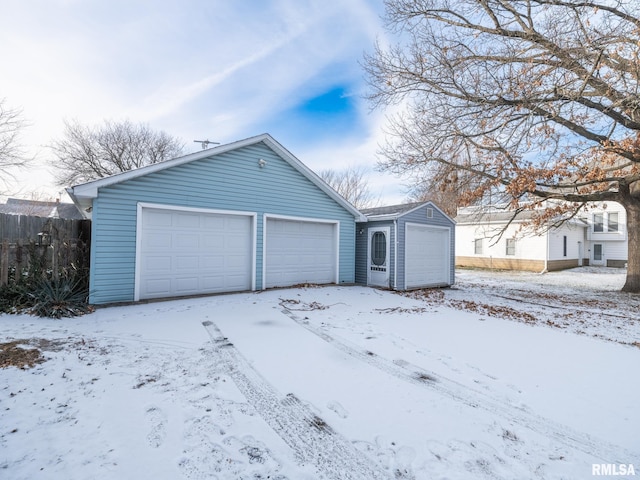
{"x": 393, "y": 212}
{"x": 504, "y": 218}
{"x": 90, "y": 189}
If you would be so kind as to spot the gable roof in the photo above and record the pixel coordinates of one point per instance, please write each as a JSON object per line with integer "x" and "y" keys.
{"x": 18, "y": 206}
{"x": 393, "y": 212}
{"x": 83, "y": 194}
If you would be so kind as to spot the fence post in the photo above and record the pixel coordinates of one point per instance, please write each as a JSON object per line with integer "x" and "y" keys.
{"x": 19, "y": 260}
{"x": 4, "y": 263}
{"x": 55, "y": 261}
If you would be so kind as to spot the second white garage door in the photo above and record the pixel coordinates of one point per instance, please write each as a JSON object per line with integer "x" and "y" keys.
{"x": 193, "y": 252}
{"x": 300, "y": 252}
{"x": 427, "y": 259}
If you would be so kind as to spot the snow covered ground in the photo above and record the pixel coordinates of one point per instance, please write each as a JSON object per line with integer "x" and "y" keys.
{"x": 508, "y": 376}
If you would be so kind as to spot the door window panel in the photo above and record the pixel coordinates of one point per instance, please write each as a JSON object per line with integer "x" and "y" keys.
{"x": 378, "y": 249}
{"x": 597, "y": 252}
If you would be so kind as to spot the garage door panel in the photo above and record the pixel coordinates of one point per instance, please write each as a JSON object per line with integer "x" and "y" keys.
{"x": 212, "y": 223}
{"x": 214, "y": 282}
{"x": 158, "y": 264}
{"x": 300, "y": 252}
{"x": 426, "y": 256}
{"x": 184, "y": 263}
{"x": 233, "y": 242}
{"x": 194, "y": 253}
{"x": 158, "y": 240}
{"x": 185, "y": 285}
{"x": 233, "y": 282}
{"x": 214, "y": 242}
{"x": 187, "y": 240}
{"x": 158, "y": 286}
{"x": 213, "y": 262}
{"x": 157, "y": 219}
{"x": 233, "y": 261}
{"x": 187, "y": 220}
{"x": 235, "y": 225}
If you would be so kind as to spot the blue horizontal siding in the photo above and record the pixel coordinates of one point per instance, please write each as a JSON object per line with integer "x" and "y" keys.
{"x": 229, "y": 181}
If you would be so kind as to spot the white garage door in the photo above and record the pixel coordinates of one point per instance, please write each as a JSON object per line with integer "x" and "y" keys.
{"x": 187, "y": 253}
{"x": 427, "y": 260}
{"x": 300, "y": 252}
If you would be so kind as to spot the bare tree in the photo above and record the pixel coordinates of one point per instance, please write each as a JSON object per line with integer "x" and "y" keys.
{"x": 352, "y": 184}
{"x": 448, "y": 187}
{"x": 87, "y": 153}
{"x": 12, "y": 155}
{"x": 536, "y": 98}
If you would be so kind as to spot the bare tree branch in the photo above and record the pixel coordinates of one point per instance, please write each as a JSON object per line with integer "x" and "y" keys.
{"x": 352, "y": 184}
{"x": 87, "y": 153}
{"x": 12, "y": 155}
{"x": 532, "y": 98}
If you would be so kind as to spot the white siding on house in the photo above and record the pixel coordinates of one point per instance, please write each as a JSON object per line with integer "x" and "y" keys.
{"x": 611, "y": 250}
{"x": 532, "y": 249}
{"x": 614, "y": 243}
{"x": 528, "y": 246}
{"x": 574, "y": 234}
{"x": 605, "y": 208}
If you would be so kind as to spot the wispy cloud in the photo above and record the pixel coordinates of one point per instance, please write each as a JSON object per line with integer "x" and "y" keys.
{"x": 223, "y": 70}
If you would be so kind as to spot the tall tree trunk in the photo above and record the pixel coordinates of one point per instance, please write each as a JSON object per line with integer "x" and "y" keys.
{"x": 632, "y": 284}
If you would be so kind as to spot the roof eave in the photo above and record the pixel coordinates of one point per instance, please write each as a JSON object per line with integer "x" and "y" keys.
{"x": 88, "y": 191}
{"x": 315, "y": 178}
{"x": 382, "y": 218}
{"x": 396, "y": 215}
{"x": 82, "y": 203}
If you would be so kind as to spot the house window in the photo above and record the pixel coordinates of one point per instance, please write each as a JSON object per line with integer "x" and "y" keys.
{"x": 598, "y": 222}
{"x": 478, "y": 246}
{"x": 429, "y": 212}
{"x": 612, "y": 225}
{"x": 564, "y": 246}
{"x": 511, "y": 246}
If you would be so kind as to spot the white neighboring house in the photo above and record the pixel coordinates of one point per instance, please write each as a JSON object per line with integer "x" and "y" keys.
{"x": 607, "y": 235}
{"x": 493, "y": 239}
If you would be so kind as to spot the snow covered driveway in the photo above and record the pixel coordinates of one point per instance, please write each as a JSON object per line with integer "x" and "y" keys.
{"x": 504, "y": 376}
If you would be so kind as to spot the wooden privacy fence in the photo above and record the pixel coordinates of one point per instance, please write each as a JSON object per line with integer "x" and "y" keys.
{"x": 53, "y": 246}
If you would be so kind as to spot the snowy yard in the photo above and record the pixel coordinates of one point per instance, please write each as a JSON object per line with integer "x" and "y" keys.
{"x": 508, "y": 376}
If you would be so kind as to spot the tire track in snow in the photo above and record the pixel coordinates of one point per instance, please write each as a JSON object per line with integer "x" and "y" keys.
{"x": 312, "y": 440}
{"x": 601, "y": 449}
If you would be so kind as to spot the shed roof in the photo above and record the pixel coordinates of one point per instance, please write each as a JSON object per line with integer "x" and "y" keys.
{"x": 501, "y": 216}
{"x": 391, "y": 209}
{"x": 393, "y": 212}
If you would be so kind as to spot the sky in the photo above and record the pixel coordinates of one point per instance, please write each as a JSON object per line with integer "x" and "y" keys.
{"x": 196, "y": 69}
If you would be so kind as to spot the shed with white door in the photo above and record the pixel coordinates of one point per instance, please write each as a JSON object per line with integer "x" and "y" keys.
{"x": 243, "y": 216}
{"x": 406, "y": 247}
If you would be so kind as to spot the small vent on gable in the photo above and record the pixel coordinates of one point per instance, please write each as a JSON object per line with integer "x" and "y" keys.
{"x": 429, "y": 212}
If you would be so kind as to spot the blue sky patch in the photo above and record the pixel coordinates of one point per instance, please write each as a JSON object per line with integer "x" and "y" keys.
{"x": 333, "y": 113}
